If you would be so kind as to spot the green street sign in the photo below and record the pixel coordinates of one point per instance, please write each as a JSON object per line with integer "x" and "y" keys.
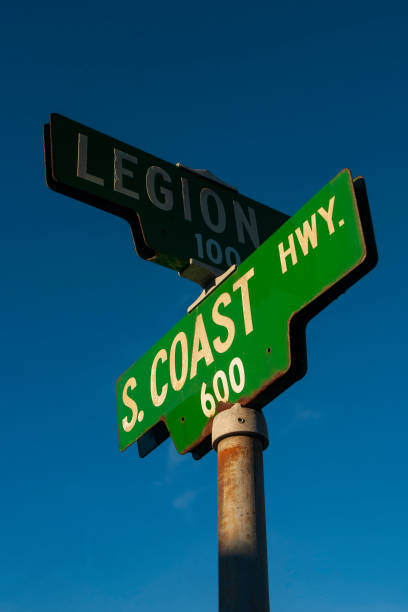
{"x": 245, "y": 342}
{"x": 176, "y": 215}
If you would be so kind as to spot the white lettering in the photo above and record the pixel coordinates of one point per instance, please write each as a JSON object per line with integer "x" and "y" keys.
{"x": 157, "y": 398}
{"x": 242, "y": 283}
{"x": 220, "y": 376}
{"x": 249, "y": 223}
{"x": 290, "y": 251}
{"x": 309, "y": 233}
{"x": 200, "y": 340}
{"x": 207, "y": 398}
{"x": 130, "y": 403}
{"x": 229, "y": 251}
{"x": 235, "y": 386}
{"x": 208, "y": 403}
{"x": 328, "y": 215}
{"x": 214, "y": 251}
{"x": 221, "y": 223}
{"x": 120, "y": 172}
{"x": 82, "y": 162}
{"x": 186, "y": 198}
{"x": 219, "y": 319}
{"x": 178, "y": 383}
{"x": 167, "y": 203}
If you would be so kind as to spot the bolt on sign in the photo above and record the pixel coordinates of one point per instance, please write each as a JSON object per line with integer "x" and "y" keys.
{"x": 245, "y": 342}
{"x": 175, "y": 214}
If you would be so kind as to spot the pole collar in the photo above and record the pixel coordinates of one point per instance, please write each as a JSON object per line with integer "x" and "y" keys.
{"x": 239, "y": 421}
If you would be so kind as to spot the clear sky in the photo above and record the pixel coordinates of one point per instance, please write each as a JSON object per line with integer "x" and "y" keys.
{"x": 275, "y": 98}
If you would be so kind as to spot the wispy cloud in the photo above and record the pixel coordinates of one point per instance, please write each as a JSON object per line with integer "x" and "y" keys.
{"x": 185, "y": 500}
{"x": 174, "y": 460}
{"x": 300, "y": 416}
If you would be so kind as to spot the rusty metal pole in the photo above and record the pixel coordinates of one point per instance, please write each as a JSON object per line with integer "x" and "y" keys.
{"x": 239, "y": 436}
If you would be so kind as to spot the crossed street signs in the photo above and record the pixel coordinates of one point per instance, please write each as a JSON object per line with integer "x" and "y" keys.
{"x": 179, "y": 218}
{"x": 246, "y": 341}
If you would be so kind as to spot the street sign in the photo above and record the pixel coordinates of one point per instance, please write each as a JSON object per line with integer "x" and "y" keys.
{"x": 176, "y": 215}
{"x": 245, "y": 342}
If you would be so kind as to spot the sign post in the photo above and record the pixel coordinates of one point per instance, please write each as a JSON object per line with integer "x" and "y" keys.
{"x": 239, "y": 436}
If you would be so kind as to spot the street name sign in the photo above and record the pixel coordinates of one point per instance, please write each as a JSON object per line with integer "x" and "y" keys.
{"x": 245, "y": 342}
{"x": 176, "y": 214}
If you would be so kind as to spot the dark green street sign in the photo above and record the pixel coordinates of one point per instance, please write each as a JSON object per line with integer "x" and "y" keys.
{"x": 245, "y": 342}
{"x": 175, "y": 214}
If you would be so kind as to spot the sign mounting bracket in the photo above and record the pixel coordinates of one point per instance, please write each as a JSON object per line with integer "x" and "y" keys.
{"x": 215, "y": 283}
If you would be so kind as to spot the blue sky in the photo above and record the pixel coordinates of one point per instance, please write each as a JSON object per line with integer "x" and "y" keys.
{"x": 275, "y": 100}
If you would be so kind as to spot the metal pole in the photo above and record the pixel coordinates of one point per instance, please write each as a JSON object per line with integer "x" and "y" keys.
{"x": 239, "y": 436}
